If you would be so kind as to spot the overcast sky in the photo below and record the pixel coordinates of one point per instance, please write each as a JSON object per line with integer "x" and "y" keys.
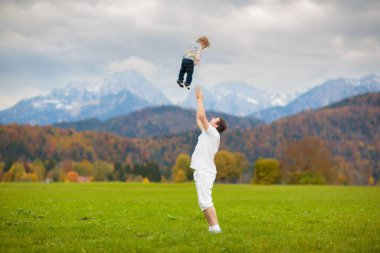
{"x": 277, "y": 46}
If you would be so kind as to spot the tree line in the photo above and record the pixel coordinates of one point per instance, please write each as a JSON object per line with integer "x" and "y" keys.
{"x": 83, "y": 171}
{"x": 307, "y": 161}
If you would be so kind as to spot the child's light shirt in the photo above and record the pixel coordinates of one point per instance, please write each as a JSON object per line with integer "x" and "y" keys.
{"x": 193, "y": 52}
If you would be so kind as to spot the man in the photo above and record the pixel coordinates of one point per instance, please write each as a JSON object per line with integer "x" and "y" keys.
{"x": 202, "y": 161}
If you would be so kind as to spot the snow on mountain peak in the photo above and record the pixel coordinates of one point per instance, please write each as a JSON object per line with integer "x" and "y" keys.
{"x": 282, "y": 99}
{"x": 41, "y": 104}
{"x": 248, "y": 99}
{"x": 369, "y": 80}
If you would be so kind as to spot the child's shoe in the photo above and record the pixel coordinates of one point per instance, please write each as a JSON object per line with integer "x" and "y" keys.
{"x": 187, "y": 86}
{"x": 180, "y": 83}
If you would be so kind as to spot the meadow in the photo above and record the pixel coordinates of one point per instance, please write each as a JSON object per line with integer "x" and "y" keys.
{"x": 136, "y": 217}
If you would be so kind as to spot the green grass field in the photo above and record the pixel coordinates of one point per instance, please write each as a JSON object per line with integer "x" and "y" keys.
{"x": 123, "y": 217}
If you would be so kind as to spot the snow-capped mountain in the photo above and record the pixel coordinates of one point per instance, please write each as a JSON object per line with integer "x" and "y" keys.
{"x": 129, "y": 91}
{"x": 120, "y": 94}
{"x": 237, "y": 99}
{"x": 322, "y": 95}
{"x": 137, "y": 85}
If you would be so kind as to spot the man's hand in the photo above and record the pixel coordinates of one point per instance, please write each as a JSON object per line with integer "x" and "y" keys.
{"x": 198, "y": 93}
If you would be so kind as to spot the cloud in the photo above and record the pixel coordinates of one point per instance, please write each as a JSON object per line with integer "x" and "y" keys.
{"x": 147, "y": 68}
{"x": 274, "y": 45}
{"x": 9, "y": 96}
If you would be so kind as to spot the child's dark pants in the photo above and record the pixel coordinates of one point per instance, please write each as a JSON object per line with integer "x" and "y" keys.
{"x": 187, "y": 67}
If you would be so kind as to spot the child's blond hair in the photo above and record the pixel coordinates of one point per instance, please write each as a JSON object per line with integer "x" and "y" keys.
{"x": 204, "y": 41}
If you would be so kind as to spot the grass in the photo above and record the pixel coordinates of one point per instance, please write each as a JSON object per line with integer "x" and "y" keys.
{"x": 123, "y": 217}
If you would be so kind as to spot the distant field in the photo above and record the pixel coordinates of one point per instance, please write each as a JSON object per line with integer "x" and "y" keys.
{"x": 123, "y": 217}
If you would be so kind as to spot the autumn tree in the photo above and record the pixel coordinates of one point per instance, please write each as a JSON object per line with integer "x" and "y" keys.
{"x": 179, "y": 176}
{"x": 18, "y": 173}
{"x": 72, "y": 176}
{"x": 39, "y": 168}
{"x": 181, "y": 170}
{"x": 59, "y": 172}
{"x": 307, "y": 161}
{"x": 84, "y": 168}
{"x": 345, "y": 171}
{"x": 242, "y": 162}
{"x": 67, "y": 165}
{"x": 266, "y": 171}
{"x": 102, "y": 171}
{"x": 230, "y": 166}
{"x": 15, "y": 173}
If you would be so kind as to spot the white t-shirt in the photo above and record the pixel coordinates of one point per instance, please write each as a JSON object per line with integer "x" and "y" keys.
{"x": 205, "y": 150}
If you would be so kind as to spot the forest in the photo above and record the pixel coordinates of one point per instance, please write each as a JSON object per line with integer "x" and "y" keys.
{"x": 338, "y": 144}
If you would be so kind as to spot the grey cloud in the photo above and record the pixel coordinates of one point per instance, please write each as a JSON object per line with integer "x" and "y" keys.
{"x": 275, "y": 45}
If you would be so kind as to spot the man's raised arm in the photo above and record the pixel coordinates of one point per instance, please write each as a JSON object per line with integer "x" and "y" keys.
{"x": 202, "y": 121}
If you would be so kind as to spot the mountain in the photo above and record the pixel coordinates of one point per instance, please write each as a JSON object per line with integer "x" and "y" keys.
{"x": 135, "y": 83}
{"x": 238, "y": 99}
{"x": 329, "y": 92}
{"x": 129, "y": 91}
{"x": 122, "y": 93}
{"x": 155, "y": 121}
{"x": 349, "y": 128}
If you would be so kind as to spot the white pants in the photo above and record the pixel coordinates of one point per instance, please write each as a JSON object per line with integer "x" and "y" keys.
{"x": 204, "y": 180}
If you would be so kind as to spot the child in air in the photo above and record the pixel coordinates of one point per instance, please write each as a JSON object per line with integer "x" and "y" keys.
{"x": 191, "y": 56}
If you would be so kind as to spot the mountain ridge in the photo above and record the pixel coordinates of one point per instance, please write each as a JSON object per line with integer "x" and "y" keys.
{"x": 328, "y": 92}
{"x": 129, "y": 91}
{"x": 122, "y": 93}
{"x": 155, "y": 121}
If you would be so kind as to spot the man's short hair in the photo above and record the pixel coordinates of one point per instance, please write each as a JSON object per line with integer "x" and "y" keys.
{"x": 222, "y": 125}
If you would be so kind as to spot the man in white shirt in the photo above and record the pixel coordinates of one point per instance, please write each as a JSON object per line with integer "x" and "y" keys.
{"x": 202, "y": 160}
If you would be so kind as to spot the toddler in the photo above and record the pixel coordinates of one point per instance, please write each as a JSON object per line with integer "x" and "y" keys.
{"x": 191, "y": 56}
